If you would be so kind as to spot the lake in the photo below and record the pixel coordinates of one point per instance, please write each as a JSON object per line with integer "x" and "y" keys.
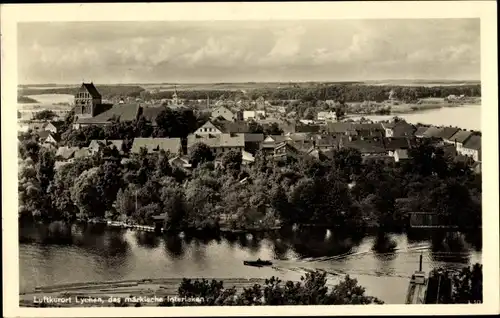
{"x": 465, "y": 117}
{"x": 98, "y": 254}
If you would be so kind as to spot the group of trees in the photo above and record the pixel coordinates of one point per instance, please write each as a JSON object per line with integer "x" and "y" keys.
{"x": 107, "y": 91}
{"x": 360, "y": 93}
{"x": 310, "y": 290}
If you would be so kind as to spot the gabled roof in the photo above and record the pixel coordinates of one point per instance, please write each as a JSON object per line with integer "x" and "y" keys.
{"x": 433, "y": 132}
{"x": 118, "y": 143}
{"x": 474, "y": 142}
{"x": 82, "y": 153}
{"x": 124, "y": 112}
{"x": 150, "y": 113}
{"x": 253, "y": 137}
{"x": 222, "y": 109}
{"x": 447, "y": 132}
{"x": 276, "y": 138}
{"x": 156, "y": 144}
{"x": 421, "y": 131}
{"x": 66, "y": 152}
{"x": 92, "y": 90}
{"x": 402, "y": 128}
{"x": 246, "y": 156}
{"x": 364, "y": 145}
{"x": 43, "y": 134}
{"x": 402, "y": 153}
{"x": 55, "y": 124}
{"x": 234, "y": 127}
{"x": 339, "y": 127}
{"x": 461, "y": 136}
{"x": 300, "y": 136}
{"x": 396, "y": 143}
{"x": 209, "y": 124}
{"x": 219, "y": 140}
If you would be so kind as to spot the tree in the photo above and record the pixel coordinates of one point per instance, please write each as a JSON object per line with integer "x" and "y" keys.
{"x": 174, "y": 205}
{"x": 44, "y": 115}
{"x": 86, "y": 195}
{"x": 232, "y": 160}
{"x": 200, "y": 153}
{"x": 273, "y": 129}
{"x": 255, "y": 128}
{"x": 30, "y": 191}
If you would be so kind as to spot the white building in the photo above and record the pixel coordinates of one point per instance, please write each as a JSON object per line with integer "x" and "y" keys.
{"x": 253, "y": 114}
{"x": 327, "y": 116}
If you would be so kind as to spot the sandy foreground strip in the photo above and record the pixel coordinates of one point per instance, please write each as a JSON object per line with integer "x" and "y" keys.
{"x": 106, "y": 294}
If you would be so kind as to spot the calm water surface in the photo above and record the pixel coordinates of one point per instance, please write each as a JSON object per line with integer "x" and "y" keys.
{"x": 97, "y": 254}
{"x": 465, "y": 117}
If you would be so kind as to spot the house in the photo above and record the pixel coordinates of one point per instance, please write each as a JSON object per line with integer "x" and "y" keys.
{"x": 180, "y": 162}
{"x": 54, "y": 126}
{"x": 47, "y": 137}
{"x": 327, "y": 116}
{"x": 338, "y": 128}
{"x": 218, "y": 143}
{"x": 284, "y": 151}
{"x": 270, "y": 142}
{"x": 433, "y": 132}
{"x": 447, "y": 133}
{"x": 460, "y": 138}
{"x": 96, "y": 145}
{"x": 65, "y": 153}
{"x": 208, "y": 128}
{"x": 401, "y": 155}
{"x": 223, "y": 112}
{"x": 419, "y": 133}
{"x": 301, "y": 128}
{"x": 398, "y": 129}
{"x": 449, "y": 150}
{"x": 254, "y": 114}
{"x": 393, "y": 144}
{"x": 155, "y": 145}
{"x": 247, "y": 158}
{"x": 302, "y": 141}
{"x": 325, "y": 142}
{"x": 253, "y": 142}
{"x": 472, "y": 147}
{"x": 83, "y": 152}
{"x": 367, "y": 146}
{"x": 260, "y": 102}
{"x": 317, "y": 153}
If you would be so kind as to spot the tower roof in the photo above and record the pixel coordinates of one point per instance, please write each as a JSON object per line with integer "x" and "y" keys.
{"x": 92, "y": 90}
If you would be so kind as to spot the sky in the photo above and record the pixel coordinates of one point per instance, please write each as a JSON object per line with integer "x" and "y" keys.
{"x": 243, "y": 51}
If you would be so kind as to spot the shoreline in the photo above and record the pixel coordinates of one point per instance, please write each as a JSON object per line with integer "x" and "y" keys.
{"x": 410, "y": 110}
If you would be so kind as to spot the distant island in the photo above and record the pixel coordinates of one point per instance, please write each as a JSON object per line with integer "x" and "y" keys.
{"x": 26, "y": 100}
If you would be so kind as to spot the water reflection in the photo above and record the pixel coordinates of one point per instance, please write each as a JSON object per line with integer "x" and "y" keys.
{"x": 147, "y": 239}
{"x": 174, "y": 246}
{"x": 124, "y": 254}
{"x": 450, "y": 248}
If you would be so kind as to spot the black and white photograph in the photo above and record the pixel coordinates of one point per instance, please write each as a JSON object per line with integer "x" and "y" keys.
{"x": 252, "y": 162}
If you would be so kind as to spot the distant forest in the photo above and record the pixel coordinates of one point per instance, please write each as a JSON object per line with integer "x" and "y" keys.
{"x": 337, "y": 92}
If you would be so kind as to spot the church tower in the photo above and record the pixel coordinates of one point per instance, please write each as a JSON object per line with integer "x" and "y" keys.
{"x": 175, "y": 98}
{"x": 87, "y": 100}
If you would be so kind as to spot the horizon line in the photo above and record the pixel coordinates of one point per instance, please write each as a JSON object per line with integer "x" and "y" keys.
{"x": 262, "y": 82}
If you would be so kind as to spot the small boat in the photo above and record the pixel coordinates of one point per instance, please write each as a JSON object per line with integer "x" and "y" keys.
{"x": 258, "y": 263}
